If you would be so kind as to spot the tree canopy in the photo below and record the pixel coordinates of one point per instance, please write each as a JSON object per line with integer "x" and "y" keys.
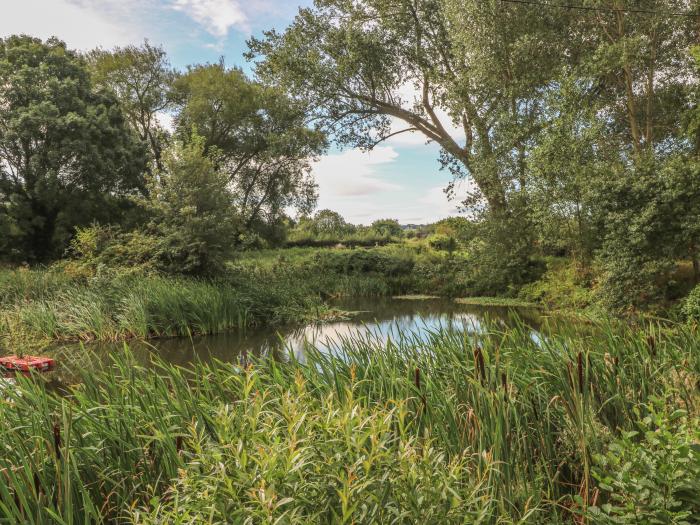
{"x": 66, "y": 152}
{"x": 260, "y": 137}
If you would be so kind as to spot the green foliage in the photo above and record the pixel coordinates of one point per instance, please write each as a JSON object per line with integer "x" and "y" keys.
{"x": 328, "y": 228}
{"x": 67, "y": 156}
{"x": 193, "y": 212}
{"x": 261, "y": 137}
{"x": 564, "y": 285}
{"x": 691, "y": 305}
{"x": 361, "y": 261}
{"x": 651, "y": 474}
{"x": 442, "y": 429}
{"x": 461, "y": 228}
{"x": 328, "y": 222}
{"x": 387, "y": 227}
{"x": 442, "y": 242}
{"x": 141, "y": 78}
{"x": 192, "y": 229}
{"x": 500, "y": 257}
{"x": 69, "y": 303}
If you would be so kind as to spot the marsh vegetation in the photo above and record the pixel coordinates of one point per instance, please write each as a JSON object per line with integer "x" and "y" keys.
{"x": 576, "y": 130}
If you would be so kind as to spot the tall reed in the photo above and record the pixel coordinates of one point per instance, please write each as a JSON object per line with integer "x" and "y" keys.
{"x": 490, "y": 426}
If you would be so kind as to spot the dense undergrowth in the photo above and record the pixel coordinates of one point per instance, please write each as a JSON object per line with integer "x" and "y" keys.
{"x": 488, "y": 428}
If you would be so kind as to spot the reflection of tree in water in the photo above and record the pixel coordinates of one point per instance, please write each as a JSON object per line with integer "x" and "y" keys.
{"x": 378, "y": 319}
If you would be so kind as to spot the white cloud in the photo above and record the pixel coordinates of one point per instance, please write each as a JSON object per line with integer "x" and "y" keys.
{"x": 352, "y": 173}
{"x": 216, "y": 16}
{"x": 351, "y": 184}
{"x": 80, "y": 25}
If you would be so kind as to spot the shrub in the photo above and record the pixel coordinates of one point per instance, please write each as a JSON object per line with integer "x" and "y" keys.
{"x": 442, "y": 242}
{"x": 651, "y": 475}
{"x": 363, "y": 261}
{"x": 691, "y": 305}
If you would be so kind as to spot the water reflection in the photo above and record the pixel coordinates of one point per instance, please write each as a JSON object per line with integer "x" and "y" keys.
{"x": 377, "y": 318}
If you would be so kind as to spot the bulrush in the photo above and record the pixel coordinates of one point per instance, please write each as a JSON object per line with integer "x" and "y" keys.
{"x": 57, "y": 441}
{"x": 479, "y": 362}
{"x": 580, "y": 372}
{"x": 294, "y": 424}
{"x": 651, "y": 343}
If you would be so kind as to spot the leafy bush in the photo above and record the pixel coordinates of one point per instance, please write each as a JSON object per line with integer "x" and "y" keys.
{"x": 651, "y": 475}
{"x": 563, "y": 285}
{"x": 442, "y": 242}
{"x": 363, "y": 261}
{"x": 191, "y": 232}
{"x": 691, "y": 305}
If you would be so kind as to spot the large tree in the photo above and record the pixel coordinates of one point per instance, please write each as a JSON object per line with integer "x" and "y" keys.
{"x": 259, "y": 137}
{"x": 141, "y": 77}
{"x": 465, "y": 74}
{"x": 612, "y": 165}
{"x": 66, "y": 152}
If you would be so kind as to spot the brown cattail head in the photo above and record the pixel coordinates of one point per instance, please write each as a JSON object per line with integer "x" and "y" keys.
{"x": 178, "y": 444}
{"x": 651, "y": 342}
{"x": 580, "y": 372}
{"x": 37, "y": 485}
{"x": 479, "y": 361}
{"x": 57, "y": 440}
{"x": 416, "y": 378}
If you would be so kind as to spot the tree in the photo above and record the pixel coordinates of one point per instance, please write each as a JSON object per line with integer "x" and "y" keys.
{"x": 329, "y": 222}
{"x": 66, "y": 153}
{"x": 193, "y": 219}
{"x": 141, "y": 78}
{"x": 463, "y": 73}
{"x": 261, "y": 138}
{"x": 387, "y": 227}
{"x": 612, "y": 165}
{"x": 461, "y": 228}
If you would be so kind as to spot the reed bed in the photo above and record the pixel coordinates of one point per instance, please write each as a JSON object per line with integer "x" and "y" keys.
{"x": 39, "y": 307}
{"x": 490, "y": 427}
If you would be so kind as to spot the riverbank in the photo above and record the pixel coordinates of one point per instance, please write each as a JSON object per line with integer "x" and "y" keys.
{"x": 71, "y": 301}
{"x": 500, "y": 427}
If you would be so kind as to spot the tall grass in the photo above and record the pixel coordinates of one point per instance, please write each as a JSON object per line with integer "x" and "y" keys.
{"x": 39, "y": 308}
{"x": 490, "y": 427}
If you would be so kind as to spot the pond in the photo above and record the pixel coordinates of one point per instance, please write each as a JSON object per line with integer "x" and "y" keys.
{"x": 379, "y": 317}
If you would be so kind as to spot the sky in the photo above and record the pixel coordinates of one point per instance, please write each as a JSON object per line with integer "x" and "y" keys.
{"x": 399, "y": 179}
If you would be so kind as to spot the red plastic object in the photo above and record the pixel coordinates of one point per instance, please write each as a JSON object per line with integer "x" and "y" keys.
{"x": 26, "y": 363}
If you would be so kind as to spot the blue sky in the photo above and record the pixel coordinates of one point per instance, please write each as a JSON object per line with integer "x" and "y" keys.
{"x": 400, "y": 179}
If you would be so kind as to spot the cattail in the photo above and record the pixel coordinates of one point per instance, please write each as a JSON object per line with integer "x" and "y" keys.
{"x": 580, "y": 372}
{"x": 37, "y": 485}
{"x": 57, "y": 440}
{"x": 479, "y": 360}
{"x": 178, "y": 444}
{"x": 416, "y": 378}
{"x": 504, "y": 384}
{"x": 651, "y": 342}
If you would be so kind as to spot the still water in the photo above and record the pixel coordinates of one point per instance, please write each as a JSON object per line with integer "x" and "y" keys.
{"x": 380, "y": 318}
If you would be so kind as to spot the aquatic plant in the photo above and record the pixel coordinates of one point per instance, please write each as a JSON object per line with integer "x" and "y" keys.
{"x": 491, "y": 427}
